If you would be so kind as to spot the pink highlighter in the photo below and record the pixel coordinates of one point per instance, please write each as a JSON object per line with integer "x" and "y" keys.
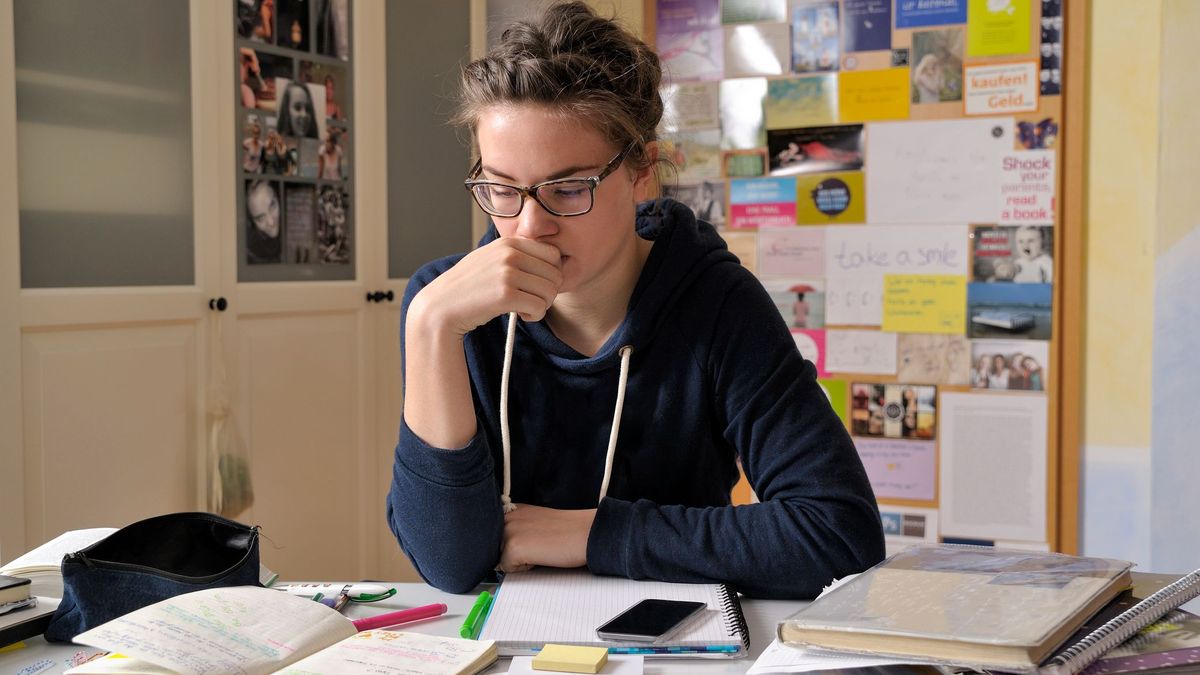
{"x": 402, "y": 616}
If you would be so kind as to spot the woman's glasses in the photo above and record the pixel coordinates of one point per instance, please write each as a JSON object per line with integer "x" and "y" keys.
{"x": 560, "y": 197}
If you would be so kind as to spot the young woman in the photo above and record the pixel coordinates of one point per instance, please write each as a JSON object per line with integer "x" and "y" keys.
{"x": 580, "y": 387}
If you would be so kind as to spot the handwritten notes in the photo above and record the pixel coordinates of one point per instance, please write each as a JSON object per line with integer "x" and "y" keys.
{"x": 386, "y": 652}
{"x": 869, "y": 95}
{"x": 858, "y": 257}
{"x": 792, "y": 251}
{"x": 899, "y": 469}
{"x": 860, "y": 351}
{"x": 937, "y": 359}
{"x": 936, "y": 172}
{"x": 925, "y": 303}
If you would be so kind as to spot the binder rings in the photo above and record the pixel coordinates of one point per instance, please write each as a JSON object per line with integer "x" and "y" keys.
{"x": 547, "y": 605}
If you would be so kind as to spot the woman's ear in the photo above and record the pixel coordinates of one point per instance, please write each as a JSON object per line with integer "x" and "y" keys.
{"x": 645, "y": 180}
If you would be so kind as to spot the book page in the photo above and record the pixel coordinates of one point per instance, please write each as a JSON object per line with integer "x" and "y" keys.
{"x": 566, "y": 606}
{"x": 50, "y": 554}
{"x": 223, "y": 630}
{"x": 386, "y": 652}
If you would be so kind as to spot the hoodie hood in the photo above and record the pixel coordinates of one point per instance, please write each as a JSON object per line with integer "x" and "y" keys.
{"x": 684, "y": 248}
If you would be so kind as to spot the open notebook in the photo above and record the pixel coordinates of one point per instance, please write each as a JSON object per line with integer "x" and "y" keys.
{"x": 557, "y": 606}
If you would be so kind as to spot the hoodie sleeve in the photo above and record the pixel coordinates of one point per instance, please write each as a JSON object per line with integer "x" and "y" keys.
{"x": 817, "y": 519}
{"x": 444, "y": 504}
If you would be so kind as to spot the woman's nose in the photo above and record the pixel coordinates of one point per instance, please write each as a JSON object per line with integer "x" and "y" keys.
{"x": 535, "y": 222}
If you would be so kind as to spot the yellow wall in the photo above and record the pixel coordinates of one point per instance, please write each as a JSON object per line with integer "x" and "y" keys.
{"x": 1123, "y": 169}
{"x": 1179, "y": 168}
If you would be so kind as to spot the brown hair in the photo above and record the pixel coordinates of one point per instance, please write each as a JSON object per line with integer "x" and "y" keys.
{"x": 579, "y": 64}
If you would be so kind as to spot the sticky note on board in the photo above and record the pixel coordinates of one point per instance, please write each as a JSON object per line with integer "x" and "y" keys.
{"x": 571, "y": 659}
{"x": 870, "y": 95}
{"x": 925, "y": 303}
{"x": 998, "y": 27}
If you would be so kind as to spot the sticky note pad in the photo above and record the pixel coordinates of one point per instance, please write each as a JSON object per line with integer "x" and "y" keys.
{"x": 571, "y": 659}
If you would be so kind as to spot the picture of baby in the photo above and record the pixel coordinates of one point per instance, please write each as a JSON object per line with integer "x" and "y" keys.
{"x": 1034, "y": 265}
{"x": 1013, "y": 254}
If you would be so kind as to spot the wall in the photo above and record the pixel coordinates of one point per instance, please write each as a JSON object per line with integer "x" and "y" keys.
{"x": 1142, "y": 243}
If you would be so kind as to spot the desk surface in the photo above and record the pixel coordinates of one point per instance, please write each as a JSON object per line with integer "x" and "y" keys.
{"x": 761, "y": 617}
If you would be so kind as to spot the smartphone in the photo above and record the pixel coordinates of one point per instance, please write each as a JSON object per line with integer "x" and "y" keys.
{"x": 650, "y": 620}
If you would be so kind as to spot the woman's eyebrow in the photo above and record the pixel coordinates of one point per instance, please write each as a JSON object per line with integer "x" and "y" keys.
{"x": 554, "y": 176}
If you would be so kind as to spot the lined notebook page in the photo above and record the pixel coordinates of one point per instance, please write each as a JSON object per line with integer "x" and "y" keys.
{"x": 566, "y": 606}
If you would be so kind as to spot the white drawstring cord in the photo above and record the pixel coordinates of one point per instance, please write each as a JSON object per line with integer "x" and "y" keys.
{"x": 616, "y": 424}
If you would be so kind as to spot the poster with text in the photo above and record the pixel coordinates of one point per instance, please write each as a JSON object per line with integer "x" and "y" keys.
{"x": 1027, "y": 188}
{"x": 998, "y": 27}
{"x": 762, "y": 202}
{"x": 920, "y": 13}
{"x": 828, "y": 198}
{"x": 1001, "y": 88}
{"x": 866, "y": 25}
{"x": 899, "y": 469}
{"x": 792, "y": 251}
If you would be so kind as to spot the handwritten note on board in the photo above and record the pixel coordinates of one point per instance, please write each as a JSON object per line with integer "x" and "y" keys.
{"x": 899, "y": 469}
{"x": 869, "y": 95}
{"x": 925, "y": 303}
{"x": 860, "y": 351}
{"x": 792, "y": 251}
{"x": 937, "y": 171}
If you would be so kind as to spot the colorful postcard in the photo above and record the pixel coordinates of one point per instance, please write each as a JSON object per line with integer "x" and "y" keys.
{"x": 743, "y": 124}
{"x": 1027, "y": 185}
{"x": 800, "y": 301}
{"x": 998, "y": 27}
{"x": 802, "y": 101}
{"x": 925, "y": 303}
{"x": 939, "y": 359}
{"x": 815, "y": 36}
{"x": 899, "y": 469}
{"x": 921, "y": 13}
{"x": 872, "y": 95}
{"x": 1013, "y": 311}
{"x": 905, "y": 526}
{"x": 1000, "y": 88}
{"x": 260, "y": 73}
{"x": 706, "y": 199}
{"x": 337, "y": 87}
{"x": 756, "y": 49}
{"x": 690, "y": 106}
{"x": 936, "y": 171}
{"x": 762, "y": 202}
{"x": 692, "y": 55}
{"x": 868, "y": 352}
{"x": 747, "y": 11}
{"x": 1036, "y": 134}
{"x": 744, "y": 163}
{"x": 893, "y": 410}
{"x": 838, "y": 393}
{"x": 677, "y": 16}
{"x": 827, "y": 198}
{"x": 1021, "y": 365}
{"x": 811, "y": 345}
{"x": 866, "y": 25}
{"x": 792, "y": 251}
{"x": 1015, "y": 254}
{"x": 937, "y": 65}
{"x": 815, "y": 149}
{"x": 696, "y": 155}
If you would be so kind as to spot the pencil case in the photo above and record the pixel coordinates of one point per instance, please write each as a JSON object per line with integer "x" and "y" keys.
{"x": 148, "y": 561}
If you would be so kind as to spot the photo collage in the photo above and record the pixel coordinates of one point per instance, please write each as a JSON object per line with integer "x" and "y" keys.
{"x": 888, "y": 170}
{"x": 295, "y": 121}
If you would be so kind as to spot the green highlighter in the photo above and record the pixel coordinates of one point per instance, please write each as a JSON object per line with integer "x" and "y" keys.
{"x": 474, "y": 620}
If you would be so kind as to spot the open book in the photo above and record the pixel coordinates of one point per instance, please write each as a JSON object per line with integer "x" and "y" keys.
{"x": 962, "y": 605}
{"x": 43, "y": 565}
{"x": 256, "y": 630}
{"x": 565, "y": 606}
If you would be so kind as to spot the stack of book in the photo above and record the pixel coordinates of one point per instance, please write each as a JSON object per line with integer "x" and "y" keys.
{"x": 983, "y": 608}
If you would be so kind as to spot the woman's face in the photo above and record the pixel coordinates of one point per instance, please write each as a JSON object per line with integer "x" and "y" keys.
{"x": 298, "y": 105}
{"x": 998, "y": 362}
{"x": 528, "y": 144}
{"x": 263, "y": 208}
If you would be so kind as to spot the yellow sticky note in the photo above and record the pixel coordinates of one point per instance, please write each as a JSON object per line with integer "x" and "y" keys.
{"x": 869, "y": 95}
{"x": 13, "y": 647}
{"x": 925, "y": 303}
{"x": 571, "y": 659}
{"x": 823, "y": 198}
{"x": 997, "y": 27}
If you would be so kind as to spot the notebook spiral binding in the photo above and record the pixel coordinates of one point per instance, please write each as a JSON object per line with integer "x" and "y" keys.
{"x": 731, "y": 614}
{"x": 1123, "y": 626}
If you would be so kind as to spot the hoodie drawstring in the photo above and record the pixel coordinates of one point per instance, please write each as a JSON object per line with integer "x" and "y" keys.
{"x": 509, "y": 341}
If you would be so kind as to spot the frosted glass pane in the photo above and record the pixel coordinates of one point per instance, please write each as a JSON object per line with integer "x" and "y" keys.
{"x": 104, "y": 142}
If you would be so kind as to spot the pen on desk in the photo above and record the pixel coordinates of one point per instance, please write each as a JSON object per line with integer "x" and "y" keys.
{"x": 357, "y": 592}
{"x": 402, "y": 616}
{"x": 470, "y": 627}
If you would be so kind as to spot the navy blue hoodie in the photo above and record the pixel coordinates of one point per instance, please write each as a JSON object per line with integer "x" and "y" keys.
{"x": 714, "y": 377}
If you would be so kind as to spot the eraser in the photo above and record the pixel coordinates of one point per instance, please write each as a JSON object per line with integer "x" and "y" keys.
{"x": 571, "y": 659}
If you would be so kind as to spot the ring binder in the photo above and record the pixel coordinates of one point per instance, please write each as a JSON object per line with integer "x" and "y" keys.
{"x": 733, "y": 616}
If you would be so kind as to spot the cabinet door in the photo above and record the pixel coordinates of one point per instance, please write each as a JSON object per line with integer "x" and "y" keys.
{"x": 106, "y": 273}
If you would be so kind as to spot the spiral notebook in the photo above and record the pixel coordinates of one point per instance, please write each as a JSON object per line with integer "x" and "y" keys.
{"x": 547, "y": 605}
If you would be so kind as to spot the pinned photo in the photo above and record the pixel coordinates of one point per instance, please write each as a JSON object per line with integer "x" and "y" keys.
{"x": 333, "y": 225}
{"x": 801, "y": 302}
{"x": 333, "y": 28}
{"x": 692, "y": 55}
{"x": 744, "y": 163}
{"x": 263, "y": 222}
{"x": 1009, "y": 310}
{"x": 300, "y": 201}
{"x": 255, "y": 20}
{"x": 938, "y": 71}
{"x": 331, "y": 156}
{"x": 696, "y": 155}
{"x": 280, "y": 157}
{"x": 333, "y": 79}
{"x": 815, "y": 36}
{"x": 1040, "y": 135}
{"x": 301, "y": 108}
{"x": 1014, "y": 365}
{"x": 893, "y": 410}
{"x": 1019, "y": 254}
{"x": 292, "y": 24}
{"x": 259, "y": 75}
{"x": 815, "y": 149}
{"x": 252, "y": 145}
{"x": 706, "y": 200}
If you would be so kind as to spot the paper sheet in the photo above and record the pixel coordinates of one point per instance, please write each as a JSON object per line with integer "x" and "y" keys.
{"x": 781, "y": 658}
{"x": 993, "y": 466}
{"x": 792, "y": 251}
{"x": 936, "y": 172}
{"x": 925, "y": 303}
{"x": 860, "y": 351}
{"x": 383, "y": 652}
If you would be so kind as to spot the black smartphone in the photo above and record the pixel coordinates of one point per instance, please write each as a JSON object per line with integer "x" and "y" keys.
{"x": 649, "y": 620}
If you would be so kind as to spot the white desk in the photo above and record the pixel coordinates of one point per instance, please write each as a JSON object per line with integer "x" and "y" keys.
{"x": 761, "y": 616}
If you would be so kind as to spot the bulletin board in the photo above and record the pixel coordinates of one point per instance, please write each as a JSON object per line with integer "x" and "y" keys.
{"x": 891, "y": 170}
